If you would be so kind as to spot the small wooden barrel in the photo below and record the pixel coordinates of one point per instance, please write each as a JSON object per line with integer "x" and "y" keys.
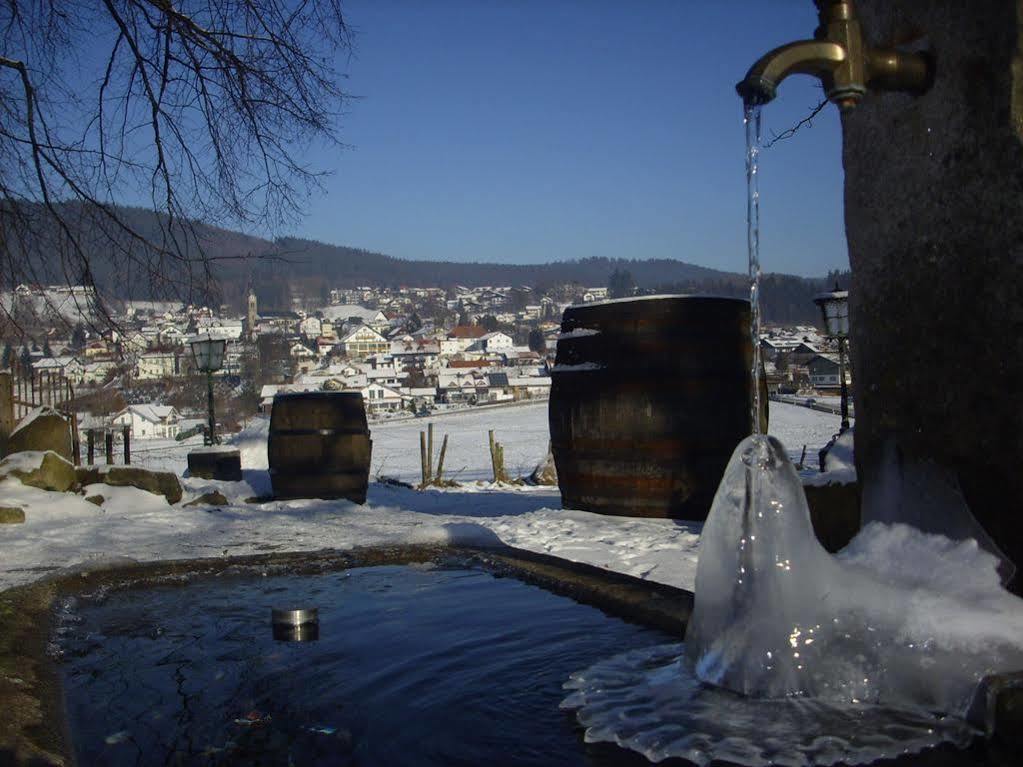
{"x": 648, "y": 400}
{"x": 319, "y": 446}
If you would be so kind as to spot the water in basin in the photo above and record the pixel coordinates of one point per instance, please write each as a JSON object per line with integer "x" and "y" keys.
{"x": 413, "y": 666}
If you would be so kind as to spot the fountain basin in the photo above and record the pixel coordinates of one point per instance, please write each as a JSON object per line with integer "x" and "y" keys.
{"x": 35, "y": 727}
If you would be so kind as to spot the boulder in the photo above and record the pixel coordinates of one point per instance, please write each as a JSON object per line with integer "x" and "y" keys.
{"x": 42, "y": 429}
{"x": 95, "y": 499}
{"x": 11, "y": 515}
{"x": 212, "y": 498}
{"x": 47, "y": 471}
{"x": 545, "y": 473}
{"x": 163, "y": 483}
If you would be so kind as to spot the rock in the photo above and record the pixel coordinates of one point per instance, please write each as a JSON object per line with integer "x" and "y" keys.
{"x": 212, "y": 498}
{"x": 11, "y": 515}
{"x": 42, "y": 429}
{"x": 47, "y": 471}
{"x": 545, "y": 473}
{"x": 96, "y": 499}
{"x": 163, "y": 483}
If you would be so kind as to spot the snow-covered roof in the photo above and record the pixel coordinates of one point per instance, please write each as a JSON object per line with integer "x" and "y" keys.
{"x": 347, "y": 311}
{"x": 151, "y": 413}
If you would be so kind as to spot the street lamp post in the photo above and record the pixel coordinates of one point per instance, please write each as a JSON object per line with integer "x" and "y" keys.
{"x": 835, "y": 311}
{"x": 208, "y": 354}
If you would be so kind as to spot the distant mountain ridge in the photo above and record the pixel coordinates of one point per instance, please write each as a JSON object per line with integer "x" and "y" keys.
{"x": 279, "y": 269}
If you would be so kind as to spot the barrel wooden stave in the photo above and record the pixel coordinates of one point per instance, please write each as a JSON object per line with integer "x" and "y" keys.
{"x": 319, "y": 446}
{"x": 645, "y": 413}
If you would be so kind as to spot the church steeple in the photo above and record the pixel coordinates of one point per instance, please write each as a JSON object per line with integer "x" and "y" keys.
{"x": 251, "y": 316}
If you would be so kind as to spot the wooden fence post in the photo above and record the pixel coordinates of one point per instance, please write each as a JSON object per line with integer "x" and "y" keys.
{"x": 76, "y": 440}
{"x": 422, "y": 455}
{"x": 109, "y": 437}
{"x": 126, "y": 436}
{"x": 440, "y": 461}
{"x": 91, "y": 437}
{"x": 429, "y": 451}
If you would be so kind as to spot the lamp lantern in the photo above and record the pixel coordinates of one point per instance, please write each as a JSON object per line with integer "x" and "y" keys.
{"x": 208, "y": 355}
{"x": 835, "y": 312}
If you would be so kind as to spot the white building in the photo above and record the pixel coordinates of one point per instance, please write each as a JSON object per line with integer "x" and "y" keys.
{"x": 363, "y": 341}
{"x": 493, "y": 342}
{"x": 149, "y": 421}
{"x": 156, "y": 364}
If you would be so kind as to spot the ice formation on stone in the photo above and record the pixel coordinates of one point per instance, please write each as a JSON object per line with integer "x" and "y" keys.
{"x": 798, "y": 657}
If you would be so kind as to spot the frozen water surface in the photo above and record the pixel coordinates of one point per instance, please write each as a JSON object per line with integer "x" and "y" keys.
{"x": 794, "y": 656}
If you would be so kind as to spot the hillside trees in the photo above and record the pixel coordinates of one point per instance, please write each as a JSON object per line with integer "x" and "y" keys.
{"x": 200, "y": 109}
{"x": 621, "y": 284}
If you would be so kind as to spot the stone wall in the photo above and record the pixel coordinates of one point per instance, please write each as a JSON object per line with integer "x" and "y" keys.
{"x": 934, "y": 219}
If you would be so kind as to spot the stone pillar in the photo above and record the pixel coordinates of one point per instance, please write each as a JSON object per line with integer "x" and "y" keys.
{"x": 934, "y": 219}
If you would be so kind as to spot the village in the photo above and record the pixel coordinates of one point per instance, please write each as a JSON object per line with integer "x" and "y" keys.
{"x": 408, "y": 351}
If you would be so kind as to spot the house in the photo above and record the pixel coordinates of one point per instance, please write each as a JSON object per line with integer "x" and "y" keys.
{"x": 460, "y": 338}
{"x": 824, "y": 372}
{"x": 407, "y": 352}
{"x": 311, "y": 327}
{"x": 364, "y": 341}
{"x": 149, "y": 421}
{"x": 304, "y": 358}
{"x": 67, "y": 366}
{"x": 380, "y": 398}
{"x": 325, "y": 345}
{"x": 492, "y": 342}
{"x": 98, "y": 371}
{"x": 157, "y": 363}
{"x": 342, "y": 313}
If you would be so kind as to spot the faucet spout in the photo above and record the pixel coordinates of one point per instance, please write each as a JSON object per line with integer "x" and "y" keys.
{"x": 809, "y": 57}
{"x": 840, "y": 59}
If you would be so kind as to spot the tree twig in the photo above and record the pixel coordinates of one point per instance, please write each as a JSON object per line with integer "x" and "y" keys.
{"x": 807, "y": 121}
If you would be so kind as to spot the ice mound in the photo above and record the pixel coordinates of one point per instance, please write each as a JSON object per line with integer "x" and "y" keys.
{"x": 650, "y": 701}
{"x": 798, "y": 657}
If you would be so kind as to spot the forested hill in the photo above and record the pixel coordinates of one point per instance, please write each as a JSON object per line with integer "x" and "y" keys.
{"x": 279, "y": 269}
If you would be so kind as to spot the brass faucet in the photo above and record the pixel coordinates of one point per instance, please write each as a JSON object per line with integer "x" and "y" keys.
{"x": 837, "y": 55}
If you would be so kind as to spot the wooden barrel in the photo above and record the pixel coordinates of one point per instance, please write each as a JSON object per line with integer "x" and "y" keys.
{"x": 649, "y": 398}
{"x": 319, "y": 446}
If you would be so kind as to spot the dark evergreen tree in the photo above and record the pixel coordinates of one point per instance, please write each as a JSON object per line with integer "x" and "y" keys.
{"x": 8, "y": 357}
{"x": 489, "y": 323}
{"x": 47, "y": 351}
{"x": 26, "y": 361}
{"x": 620, "y": 284}
{"x": 536, "y": 341}
{"x": 78, "y": 337}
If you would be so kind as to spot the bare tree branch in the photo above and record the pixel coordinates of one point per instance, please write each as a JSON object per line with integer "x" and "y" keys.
{"x": 807, "y": 121}
{"x": 201, "y": 110}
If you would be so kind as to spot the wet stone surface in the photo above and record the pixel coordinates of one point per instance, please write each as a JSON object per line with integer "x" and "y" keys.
{"x": 413, "y": 665}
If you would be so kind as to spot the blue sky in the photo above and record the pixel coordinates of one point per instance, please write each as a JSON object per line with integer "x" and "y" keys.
{"x": 537, "y": 130}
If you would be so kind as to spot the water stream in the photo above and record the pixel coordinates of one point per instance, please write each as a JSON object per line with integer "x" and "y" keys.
{"x": 751, "y": 119}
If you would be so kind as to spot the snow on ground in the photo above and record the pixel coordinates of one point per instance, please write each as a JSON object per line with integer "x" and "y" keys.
{"x": 63, "y": 529}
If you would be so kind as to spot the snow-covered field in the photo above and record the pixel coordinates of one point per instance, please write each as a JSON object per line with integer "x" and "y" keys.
{"x": 62, "y": 529}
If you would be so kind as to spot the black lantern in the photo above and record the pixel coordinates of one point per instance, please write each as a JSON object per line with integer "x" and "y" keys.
{"x": 835, "y": 312}
{"x": 208, "y": 354}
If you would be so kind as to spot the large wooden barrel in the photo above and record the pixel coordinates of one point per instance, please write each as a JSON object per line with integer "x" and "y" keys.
{"x": 649, "y": 398}
{"x": 319, "y": 446}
